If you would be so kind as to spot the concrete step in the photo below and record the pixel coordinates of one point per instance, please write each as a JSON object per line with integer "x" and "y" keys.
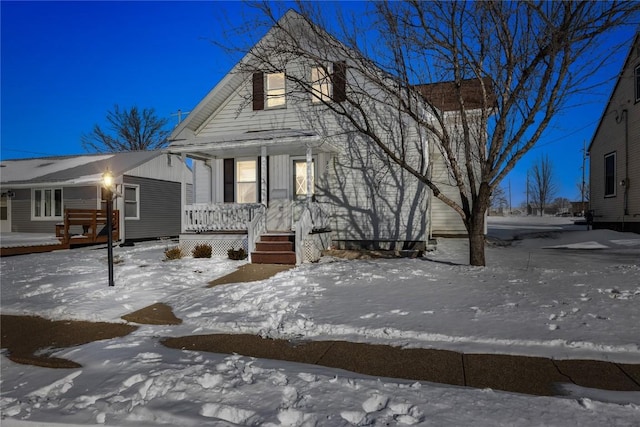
{"x": 273, "y": 257}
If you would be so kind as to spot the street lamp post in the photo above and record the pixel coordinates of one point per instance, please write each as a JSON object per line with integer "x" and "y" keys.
{"x": 107, "y": 195}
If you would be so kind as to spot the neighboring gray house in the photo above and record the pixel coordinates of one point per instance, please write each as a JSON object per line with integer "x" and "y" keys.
{"x": 35, "y": 192}
{"x": 271, "y": 162}
{"x": 614, "y": 153}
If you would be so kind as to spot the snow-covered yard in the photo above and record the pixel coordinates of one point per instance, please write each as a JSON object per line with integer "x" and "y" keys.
{"x": 567, "y": 295}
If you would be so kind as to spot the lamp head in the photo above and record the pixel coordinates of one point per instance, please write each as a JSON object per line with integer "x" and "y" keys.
{"x": 107, "y": 179}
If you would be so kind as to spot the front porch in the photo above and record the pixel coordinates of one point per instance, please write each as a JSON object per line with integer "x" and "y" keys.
{"x": 226, "y": 226}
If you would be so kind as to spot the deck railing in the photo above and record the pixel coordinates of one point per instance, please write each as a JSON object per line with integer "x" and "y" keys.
{"x": 221, "y": 217}
{"x": 87, "y": 226}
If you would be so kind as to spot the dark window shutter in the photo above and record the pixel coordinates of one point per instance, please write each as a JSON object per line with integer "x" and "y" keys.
{"x": 339, "y": 81}
{"x": 258, "y": 91}
{"x": 229, "y": 180}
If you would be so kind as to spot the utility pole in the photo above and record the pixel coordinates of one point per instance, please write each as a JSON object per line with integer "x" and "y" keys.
{"x": 528, "y": 192}
{"x": 584, "y": 157}
{"x": 179, "y": 114}
{"x": 510, "y": 211}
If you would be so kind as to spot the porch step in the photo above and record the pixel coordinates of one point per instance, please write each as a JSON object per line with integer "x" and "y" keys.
{"x": 279, "y": 257}
{"x": 275, "y": 248}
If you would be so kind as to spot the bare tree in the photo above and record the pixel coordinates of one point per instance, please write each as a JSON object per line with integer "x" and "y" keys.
{"x": 498, "y": 199}
{"x": 583, "y": 191}
{"x": 511, "y": 66}
{"x": 129, "y": 130}
{"x": 542, "y": 187}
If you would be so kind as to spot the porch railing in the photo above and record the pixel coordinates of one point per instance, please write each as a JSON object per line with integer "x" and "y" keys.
{"x": 257, "y": 227}
{"x": 307, "y": 218}
{"x": 221, "y": 217}
{"x": 318, "y": 217}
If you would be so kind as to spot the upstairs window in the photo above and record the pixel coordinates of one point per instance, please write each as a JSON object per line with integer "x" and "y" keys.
{"x": 329, "y": 83}
{"x": 637, "y": 80}
{"x": 275, "y": 90}
{"x": 321, "y": 89}
{"x": 269, "y": 90}
{"x": 610, "y": 175}
{"x": 46, "y": 203}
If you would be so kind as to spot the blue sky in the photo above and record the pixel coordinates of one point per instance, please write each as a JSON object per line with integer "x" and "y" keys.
{"x": 65, "y": 64}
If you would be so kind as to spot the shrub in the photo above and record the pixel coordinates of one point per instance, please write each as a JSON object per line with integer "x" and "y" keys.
{"x": 202, "y": 251}
{"x": 173, "y": 253}
{"x": 238, "y": 254}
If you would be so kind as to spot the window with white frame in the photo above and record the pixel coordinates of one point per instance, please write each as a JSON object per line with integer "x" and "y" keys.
{"x": 246, "y": 183}
{"x": 320, "y": 84}
{"x": 275, "y": 90}
{"x": 131, "y": 202}
{"x": 300, "y": 178}
{"x": 46, "y": 203}
{"x": 637, "y": 80}
{"x": 610, "y": 174}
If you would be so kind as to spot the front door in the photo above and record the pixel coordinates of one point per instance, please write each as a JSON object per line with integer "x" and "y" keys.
{"x": 5, "y": 214}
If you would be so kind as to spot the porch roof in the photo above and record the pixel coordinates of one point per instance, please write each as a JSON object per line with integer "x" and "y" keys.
{"x": 287, "y": 141}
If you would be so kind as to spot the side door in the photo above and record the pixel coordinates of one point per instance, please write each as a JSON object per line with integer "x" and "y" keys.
{"x": 5, "y": 213}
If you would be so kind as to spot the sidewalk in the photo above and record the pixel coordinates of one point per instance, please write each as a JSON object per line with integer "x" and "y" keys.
{"x": 530, "y": 375}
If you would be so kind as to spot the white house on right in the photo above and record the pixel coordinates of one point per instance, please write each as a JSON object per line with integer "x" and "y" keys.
{"x": 615, "y": 153}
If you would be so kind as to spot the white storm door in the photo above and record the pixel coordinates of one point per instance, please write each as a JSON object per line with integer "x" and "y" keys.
{"x": 5, "y": 214}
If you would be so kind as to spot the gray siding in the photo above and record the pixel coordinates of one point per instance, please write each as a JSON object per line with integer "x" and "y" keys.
{"x": 72, "y": 198}
{"x": 159, "y": 209}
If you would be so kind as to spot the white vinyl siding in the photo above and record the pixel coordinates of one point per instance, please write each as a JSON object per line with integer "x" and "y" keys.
{"x": 46, "y": 203}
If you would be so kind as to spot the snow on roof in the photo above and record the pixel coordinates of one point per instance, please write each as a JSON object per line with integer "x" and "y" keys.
{"x": 86, "y": 168}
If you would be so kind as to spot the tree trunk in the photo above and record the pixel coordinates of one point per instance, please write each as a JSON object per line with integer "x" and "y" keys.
{"x": 476, "y": 226}
{"x": 476, "y": 242}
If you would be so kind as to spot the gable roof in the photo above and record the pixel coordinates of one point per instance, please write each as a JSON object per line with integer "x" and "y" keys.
{"x": 634, "y": 45}
{"x": 441, "y": 94}
{"x": 78, "y": 169}
{"x": 222, "y": 91}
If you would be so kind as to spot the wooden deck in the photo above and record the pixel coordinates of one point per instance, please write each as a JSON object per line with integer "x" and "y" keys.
{"x": 80, "y": 227}
{"x": 87, "y": 227}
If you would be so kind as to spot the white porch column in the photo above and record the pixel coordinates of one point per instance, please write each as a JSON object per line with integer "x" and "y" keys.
{"x": 309, "y": 175}
{"x": 183, "y": 190}
{"x": 263, "y": 174}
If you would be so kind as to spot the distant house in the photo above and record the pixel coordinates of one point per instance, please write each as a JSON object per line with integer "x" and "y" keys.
{"x": 615, "y": 153}
{"x": 36, "y": 192}
{"x": 271, "y": 161}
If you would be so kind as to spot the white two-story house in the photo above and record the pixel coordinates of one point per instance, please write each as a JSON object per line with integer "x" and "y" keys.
{"x": 277, "y": 168}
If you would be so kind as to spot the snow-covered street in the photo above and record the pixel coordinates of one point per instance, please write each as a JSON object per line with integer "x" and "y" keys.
{"x": 565, "y": 294}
